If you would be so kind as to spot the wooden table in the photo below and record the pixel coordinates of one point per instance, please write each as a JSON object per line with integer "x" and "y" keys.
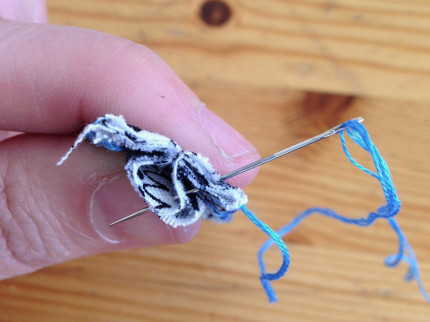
{"x": 280, "y": 72}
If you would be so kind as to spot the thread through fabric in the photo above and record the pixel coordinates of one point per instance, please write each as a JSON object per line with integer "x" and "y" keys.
{"x": 163, "y": 174}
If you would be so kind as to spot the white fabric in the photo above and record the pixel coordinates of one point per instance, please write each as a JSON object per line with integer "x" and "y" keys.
{"x": 162, "y": 173}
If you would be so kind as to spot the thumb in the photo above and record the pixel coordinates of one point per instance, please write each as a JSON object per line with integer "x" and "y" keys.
{"x": 50, "y": 214}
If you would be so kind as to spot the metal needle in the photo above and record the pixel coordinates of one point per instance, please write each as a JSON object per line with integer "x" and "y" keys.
{"x": 326, "y": 134}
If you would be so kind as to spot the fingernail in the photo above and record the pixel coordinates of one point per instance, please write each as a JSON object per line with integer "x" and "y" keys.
{"x": 229, "y": 141}
{"x": 115, "y": 198}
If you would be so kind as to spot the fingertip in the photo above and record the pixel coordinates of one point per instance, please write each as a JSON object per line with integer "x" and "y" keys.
{"x": 244, "y": 179}
{"x": 229, "y": 141}
{"x": 182, "y": 235}
{"x": 226, "y": 148}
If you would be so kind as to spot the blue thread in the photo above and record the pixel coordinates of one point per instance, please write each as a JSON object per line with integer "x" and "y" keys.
{"x": 265, "y": 278}
{"x": 215, "y": 208}
{"x": 358, "y": 133}
{"x": 108, "y": 144}
{"x": 224, "y": 216}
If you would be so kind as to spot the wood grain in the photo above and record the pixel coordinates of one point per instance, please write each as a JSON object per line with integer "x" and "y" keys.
{"x": 365, "y": 47}
{"x": 252, "y": 72}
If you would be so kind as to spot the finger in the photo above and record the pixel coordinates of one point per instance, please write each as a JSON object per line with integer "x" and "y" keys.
{"x": 84, "y": 74}
{"x": 24, "y": 10}
{"x": 52, "y": 214}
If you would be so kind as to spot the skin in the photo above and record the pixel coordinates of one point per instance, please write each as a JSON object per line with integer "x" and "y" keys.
{"x": 54, "y": 80}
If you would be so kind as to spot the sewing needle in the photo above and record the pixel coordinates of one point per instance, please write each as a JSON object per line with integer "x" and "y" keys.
{"x": 326, "y": 134}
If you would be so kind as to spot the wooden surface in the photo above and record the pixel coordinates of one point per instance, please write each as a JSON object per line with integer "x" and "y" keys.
{"x": 271, "y": 71}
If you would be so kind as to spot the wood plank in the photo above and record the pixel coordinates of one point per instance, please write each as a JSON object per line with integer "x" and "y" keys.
{"x": 370, "y": 48}
{"x": 336, "y": 272}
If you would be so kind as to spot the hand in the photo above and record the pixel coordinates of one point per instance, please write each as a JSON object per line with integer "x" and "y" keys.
{"x": 53, "y": 80}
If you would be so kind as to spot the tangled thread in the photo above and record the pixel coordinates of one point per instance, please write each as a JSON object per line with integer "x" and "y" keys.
{"x": 358, "y": 133}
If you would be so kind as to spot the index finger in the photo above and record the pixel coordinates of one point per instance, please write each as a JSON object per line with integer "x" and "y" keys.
{"x": 54, "y": 79}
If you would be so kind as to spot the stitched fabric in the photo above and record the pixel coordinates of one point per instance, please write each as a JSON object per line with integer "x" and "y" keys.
{"x": 162, "y": 173}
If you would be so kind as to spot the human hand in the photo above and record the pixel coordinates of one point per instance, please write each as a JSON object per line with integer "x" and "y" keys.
{"x": 53, "y": 80}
